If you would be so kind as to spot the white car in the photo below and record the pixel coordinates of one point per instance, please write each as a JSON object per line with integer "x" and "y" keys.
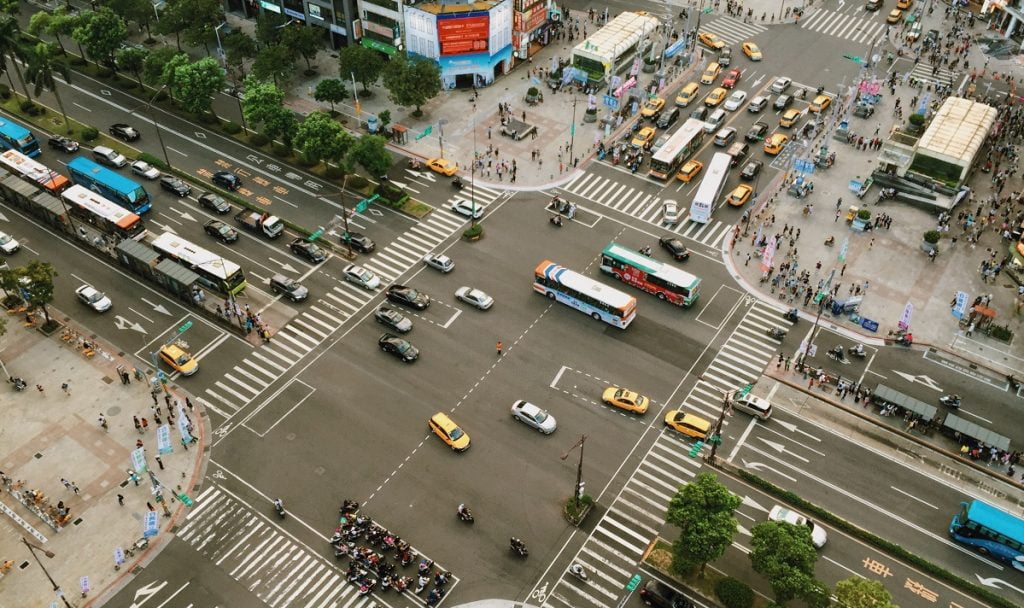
{"x": 7, "y": 243}
{"x": 93, "y": 298}
{"x": 818, "y": 535}
{"x": 531, "y": 415}
{"x": 670, "y": 212}
{"x": 361, "y": 276}
{"x": 735, "y": 100}
{"x": 440, "y": 262}
{"x": 781, "y": 84}
{"x": 468, "y": 209}
{"x": 474, "y": 297}
{"x": 145, "y": 170}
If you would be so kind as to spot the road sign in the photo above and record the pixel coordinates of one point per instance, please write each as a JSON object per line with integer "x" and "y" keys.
{"x": 315, "y": 235}
{"x": 746, "y": 390}
{"x": 611, "y": 102}
{"x": 185, "y": 327}
{"x": 633, "y": 583}
{"x": 854, "y": 58}
{"x": 363, "y": 204}
{"x": 185, "y": 500}
{"x": 695, "y": 449}
{"x": 425, "y": 132}
{"x": 150, "y": 524}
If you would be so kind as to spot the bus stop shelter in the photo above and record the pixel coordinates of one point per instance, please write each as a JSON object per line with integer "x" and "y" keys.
{"x": 888, "y": 395}
{"x": 959, "y": 425}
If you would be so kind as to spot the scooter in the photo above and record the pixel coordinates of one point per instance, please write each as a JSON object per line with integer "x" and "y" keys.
{"x": 465, "y": 515}
{"x": 857, "y": 351}
{"x": 645, "y": 251}
{"x": 837, "y": 354}
{"x": 776, "y": 333}
{"x": 792, "y": 315}
{"x": 457, "y": 183}
{"x": 950, "y": 401}
{"x": 421, "y": 584}
{"x": 578, "y": 571}
{"x": 19, "y": 384}
{"x": 830, "y": 241}
{"x": 279, "y": 507}
{"x": 518, "y": 547}
{"x": 556, "y": 220}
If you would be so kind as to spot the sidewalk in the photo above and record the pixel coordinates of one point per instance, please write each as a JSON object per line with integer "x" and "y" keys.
{"x": 49, "y": 436}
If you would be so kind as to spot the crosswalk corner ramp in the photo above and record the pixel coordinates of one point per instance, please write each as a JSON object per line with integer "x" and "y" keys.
{"x": 494, "y": 603}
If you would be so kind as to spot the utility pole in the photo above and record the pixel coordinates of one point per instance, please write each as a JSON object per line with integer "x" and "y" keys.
{"x": 578, "y": 489}
{"x": 50, "y": 555}
{"x": 156, "y": 125}
{"x": 344, "y": 214}
{"x": 572, "y": 131}
{"x": 716, "y": 435}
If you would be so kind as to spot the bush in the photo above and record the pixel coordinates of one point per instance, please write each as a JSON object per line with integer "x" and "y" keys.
{"x": 734, "y": 593}
{"x": 207, "y": 118}
{"x": 156, "y": 162}
{"x": 931, "y": 237}
{"x": 104, "y": 72}
{"x": 90, "y": 133}
{"x": 280, "y": 150}
{"x": 473, "y": 232}
{"x": 5, "y": 91}
{"x": 916, "y": 119}
{"x": 357, "y": 182}
{"x": 391, "y": 193}
{"x": 307, "y": 162}
{"x": 26, "y": 106}
{"x": 1001, "y": 332}
{"x": 864, "y": 214}
{"x": 333, "y": 172}
{"x": 231, "y": 128}
{"x": 532, "y": 92}
{"x": 258, "y": 139}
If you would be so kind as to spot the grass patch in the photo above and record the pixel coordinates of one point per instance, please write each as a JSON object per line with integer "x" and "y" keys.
{"x": 660, "y": 558}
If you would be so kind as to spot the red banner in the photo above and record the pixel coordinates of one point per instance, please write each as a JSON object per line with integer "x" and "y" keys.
{"x": 463, "y": 35}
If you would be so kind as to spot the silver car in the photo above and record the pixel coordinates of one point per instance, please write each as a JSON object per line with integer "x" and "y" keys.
{"x": 144, "y": 169}
{"x": 532, "y": 416}
{"x": 474, "y": 297}
{"x": 361, "y": 277}
{"x": 93, "y": 298}
{"x": 439, "y": 262}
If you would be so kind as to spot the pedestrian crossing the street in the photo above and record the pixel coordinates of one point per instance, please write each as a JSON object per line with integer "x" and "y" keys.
{"x": 612, "y": 553}
{"x": 846, "y": 25}
{"x": 320, "y": 318}
{"x": 643, "y": 206}
{"x": 927, "y": 72}
{"x": 732, "y": 30}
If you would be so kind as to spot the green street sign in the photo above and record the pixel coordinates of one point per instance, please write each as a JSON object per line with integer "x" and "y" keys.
{"x": 315, "y": 235}
{"x": 746, "y": 390}
{"x": 715, "y": 439}
{"x": 425, "y": 132}
{"x": 707, "y": 11}
{"x": 854, "y": 58}
{"x": 185, "y": 500}
{"x": 363, "y": 204}
{"x": 633, "y": 583}
{"x": 184, "y": 327}
{"x": 695, "y": 449}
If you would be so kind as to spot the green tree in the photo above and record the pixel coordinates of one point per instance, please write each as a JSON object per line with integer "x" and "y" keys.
{"x": 319, "y": 137}
{"x": 703, "y": 512}
{"x": 40, "y": 284}
{"x": 197, "y": 83}
{"x": 61, "y": 24}
{"x": 169, "y": 77}
{"x": 154, "y": 63}
{"x": 101, "y": 33}
{"x": 784, "y": 554}
{"x": 363, "y": 63}
{"x": 856, "y": 592}
{"x": 371, "y": 152}
{"x": 10, "y": 7}
{"x": 11, "y": 48}
{"x": 238, "y": 46}
{"x": 139, "y": 12}
{"x": 303, "y": 42}
{"x": 268, "y": 28}
{"x": 412, "y": 81}
{"x": 274, "y": 63}
{"x": 263, "y": 107}
{"x": 330, "y": 90}
{"x": 40, "y": 70}
{"x": 205, "y": 16}
{"x": 132, "y": 60}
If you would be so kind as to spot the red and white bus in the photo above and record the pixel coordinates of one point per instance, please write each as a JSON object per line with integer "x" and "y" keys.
{"x": 665, "y": 281}
{"x": 103, "y": 214}
{"x": 34, "y": 172}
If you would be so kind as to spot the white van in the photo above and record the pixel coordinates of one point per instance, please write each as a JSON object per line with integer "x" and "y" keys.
{"x": 750, "y": 404}
{"x": 714, "y": 121}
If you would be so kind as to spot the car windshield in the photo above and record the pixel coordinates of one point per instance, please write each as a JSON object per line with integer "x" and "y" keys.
{"x": 402, "y": 346}
{"x": 365, "y": 275}
{"x": 93, "y": 297}
{"x": 620, "y": 393}
{"x": 476, "y": 294}
{"x": 456, "y": 433}
{"x": 4, "y": 239}
{"x": 183, "y": 359}
{"x": 224, "y": 229}
{"x": 541, "y": 416}
{"x": 412, "y": 294}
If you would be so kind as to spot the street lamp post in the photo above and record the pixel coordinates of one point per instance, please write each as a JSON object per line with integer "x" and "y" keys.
{"x": 572, "y": 129}
{"x": 578, "y": 489}
{"x": 344, "y": 213}
{"x": 49, "y": 554}
{"x": 156, "y": 125}
{"x": 220, "y": 49}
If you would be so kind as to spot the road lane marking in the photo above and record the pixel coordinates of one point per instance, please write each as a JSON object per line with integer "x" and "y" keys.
{"x": 914, "y": 497}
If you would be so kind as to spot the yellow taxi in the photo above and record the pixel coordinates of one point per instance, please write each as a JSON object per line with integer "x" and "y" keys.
{"x": 178, "y": 359}
{"x": 894, "y": 16}
{"x": 711, "y": 40}
{"x": 904, "y": 4}
{"x": 626, "y": 400}
{"x": 790, "y": 117}
{"x": 740, "y": 195}
{"x": 774, "y": 143}
{"x": 711, "y": 73}
{"x": 449, "y": 432}
{"x": 442, "y": 166}
{"x": 652, "y": 108}
{"x": 715, "y": 97}
{"x": 821, "y": 103}
{"x": 687, "y": 94}
{"x": 644, "y": 137}
{"x": 689, "y": 170}
{"x": 751, "y": 50}
{"x": 688, "y": 424}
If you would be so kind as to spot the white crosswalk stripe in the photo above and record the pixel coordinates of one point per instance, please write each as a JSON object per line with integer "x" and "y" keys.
{"x": 731, "y": 29}
{"x": 842, "y": 25}
{"x": 612, "y": 552}
{"x": 644, "y": 207}
{"x": 923, "y": 71}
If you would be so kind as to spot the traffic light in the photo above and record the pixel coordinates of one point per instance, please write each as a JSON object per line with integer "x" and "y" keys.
{"x": 695, "y": 449}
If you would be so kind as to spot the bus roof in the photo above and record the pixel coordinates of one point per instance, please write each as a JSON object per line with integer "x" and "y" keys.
{"x": 33, "y": 170}
{"x": 574, "y": 280}
{"x": 193, "y": 254}
{"x": 13, "y": 129}
{"x": 997, "y": 520}
{"x": 115, "y": 181}
{"x": 87, "y": 199}
{"x": 714, "y": 177}
{"x": 669, "y": 273}
{"x": 679, "y": 140}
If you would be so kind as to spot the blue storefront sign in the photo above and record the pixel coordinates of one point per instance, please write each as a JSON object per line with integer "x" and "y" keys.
{"x": 611, "y": 102}
{"x": 960, "y": 306}
{"x": 869, "y": 325}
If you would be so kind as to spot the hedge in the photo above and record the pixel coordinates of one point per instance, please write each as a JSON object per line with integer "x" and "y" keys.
{"x": 734, "y": 593}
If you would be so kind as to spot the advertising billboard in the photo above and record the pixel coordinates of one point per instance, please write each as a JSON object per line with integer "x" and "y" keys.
{"x": 461, "y": 35}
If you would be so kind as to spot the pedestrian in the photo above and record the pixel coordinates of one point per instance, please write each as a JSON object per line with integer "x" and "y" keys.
{"x": 67, "y": 484}
{"x": 67, "y": 389}
{"x": 160, "y": 462}
{"x": 103, "y": 423}
{"x": 787, "y": 363}
{"x": 138, "y": 443}
{"x": 150, "y": 507}
{"x": 145, "y": 425}
{"x": 779, "y": 363}
{"x": 138, "y": 425}
{"x": 133, "y": 477}
{"x": 188, "y": 403}
{"x": 970, "y": 328}
{"x": 39, "y": 387}
{"x": 153, "y": 395}
{"x": 167, "y": 399}
{"x": 120, "y": 499}
{"x": 499, "y": 347}
{"x": 184, "y": 444}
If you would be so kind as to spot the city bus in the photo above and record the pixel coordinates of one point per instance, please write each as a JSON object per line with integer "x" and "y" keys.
{"x": 677, "y": 149}
{"x": 584, "y": 294}
{"x": 710, "y": 188}
{"x": 990, "y": 531}
{"x": 16, "y": 137}
{"x": 109, "y": 184}
{"x": 34, "y": 172}
{"x": 663, "y": 280}
{"x": 215, "y": 272}
{"x": 107, "y": 217}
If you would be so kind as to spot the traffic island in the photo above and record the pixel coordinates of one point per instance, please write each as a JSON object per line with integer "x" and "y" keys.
{"x": 473, "y": 233}
{"x": 575, "y": 511}
{"x": 710, "y": 584}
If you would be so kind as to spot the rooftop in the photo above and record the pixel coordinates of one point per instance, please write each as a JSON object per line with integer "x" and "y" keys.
{"x": 958, "y": 129}
{"x": 623, "y": 31}
{"x": 454, "y": 8}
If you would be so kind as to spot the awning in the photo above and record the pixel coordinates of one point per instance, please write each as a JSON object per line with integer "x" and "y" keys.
{"x": 907, "y": 402}
{"x": 956, "y": 423}
{"x": 984, "y": 311}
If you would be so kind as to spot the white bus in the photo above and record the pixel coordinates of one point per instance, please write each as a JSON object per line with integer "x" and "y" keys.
{"x": 710, "y": 188}
{"x": 34, "y": 172}
{"x": 103, "y": 214}
{"x": 586, "y": 295}
{"x": 215, "y": 272}
{"x": 679, "y": 147}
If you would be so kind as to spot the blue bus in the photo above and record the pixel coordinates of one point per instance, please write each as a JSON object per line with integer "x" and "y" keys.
{"x": 109, "y": 184}
{"x": 16, "y": 137}
{"x": 990, "y": 531}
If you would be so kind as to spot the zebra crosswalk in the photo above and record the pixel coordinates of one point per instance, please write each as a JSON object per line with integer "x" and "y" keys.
{"x": 732, "y": 30}
{"x": 643, "y": 206}
{"x": 320, "y": 318}
{"x": 612, "y": 552}
{"x": 925, "y": 71}
{"x": 845, "y": 25}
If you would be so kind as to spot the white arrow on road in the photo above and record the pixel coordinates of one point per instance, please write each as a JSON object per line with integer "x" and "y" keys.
{"x": 147, "y": 592}
{"x": 759, "y": 466}
{"x": 758, "y": 81}
{"x": 186, "y": 216}
{"x": 792, "y": 428}
{"x": 742, "y": 530}
{"x": 750, "y": 502}
{"x": 283, "y": 265}
{"x": 778, "y": 447}
{"x": 157, "y": 307}
{"x": 123, "y": 323}
{"x": 919, "y": 379}
{"x": 998, "y": 583}
{"x": 4, "y": 218}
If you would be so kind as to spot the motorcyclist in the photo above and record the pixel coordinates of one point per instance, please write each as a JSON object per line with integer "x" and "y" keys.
{"x": 463, "y": 511}
{"x": 556, "y": 220}
{"x": 858, "y": 350}
{"x": 279, "y": 504}
{"x": 837, "y": 352}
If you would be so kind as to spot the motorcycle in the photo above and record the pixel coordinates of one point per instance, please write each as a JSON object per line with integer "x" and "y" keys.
{"x": 348, "y": 506}
{"x": 405, "y": 557}
{"x": 421, "y": 584}
{"x": 518, "y": 547}
{"x": 858, "y": 351}
{"x": 415, "y": 165}
{"x": 401, "y": 583}
{"x": 837, "y": 354}
{"x": 645, "y": 251}
{"x": 279, "y": 507}
{"x": 556, "y": 220}
{"x": 792, "y": 315}
{"x": 830, "y": 241}
{"x": 776, "y": 333}
{"x": 465, "y": 514}
{"x": 1014, "y": 384}
{"x": 385, "y": 583}
{"x": 457, "y": 183}
{"x": 578, "y": 571}
{"x": 441, "y": 579}
{"x": 905, "y": 340}
{"x": 950, "y": 401}
{"x": 19, "y": 384}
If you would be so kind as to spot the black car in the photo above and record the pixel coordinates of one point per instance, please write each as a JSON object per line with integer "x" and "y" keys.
{"x": 675, "y": 247}
{"x": 359, "y": 241}
{"x": 667, "y": 118}
{"x": 660, "y": 595}
{"x": 220, "y": 231}
{"x": 757, "y": 132}
{"x": 399, "y": 347}
{"x": 175, "y": 186}
{"x": 217, "y": 204}
{"x": 291, "y": 288}
{"x": 400, "y": 294}
{"x": 701, "y": 113}
{"x": 782, "y": 102}
{"x": 227, "y": 180}
{"x": 310, "y": 252}
{"x": 751, "y": 170}
{"x": 124, "y": 132}
{"x": 64, "y": 144}
{"x": 390, "y": 317}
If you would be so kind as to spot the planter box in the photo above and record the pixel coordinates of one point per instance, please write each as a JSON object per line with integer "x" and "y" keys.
{"x": 929, "y": 247}
{"x": 588, "y": 117}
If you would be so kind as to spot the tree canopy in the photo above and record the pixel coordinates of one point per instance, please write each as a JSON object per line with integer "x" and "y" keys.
{"x": 371, "y": 153}
{"x": 319, "y": 137}
{"x": 263, "y": 106}
{"x": 703, "y": 512}
{"x": 363, "y": 63}
{"x": 330, "y": 90}
{"x": 197, "y": 83}
{"x": 412, "y": 81}
{"x": 856, "y": 592}
{"x": 784, "y": 554}
{"x": 101, "y": 33}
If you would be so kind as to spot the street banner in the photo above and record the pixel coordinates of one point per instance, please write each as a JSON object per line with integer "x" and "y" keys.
{"x": 149, "y": 524}
{"x": 83, "y": 583}
{"x": 163, "y": 439}
{"x": 633, "y": 71}
{"x": 768, "y": 255}
{"x": 118, "y": 556}
{"x": 844, "y": 250}
{"x": 908, "y": 310}
{"x": 183, "y": 428}
{"x": 960, "y": 307}
{"x": 139, "y": 460}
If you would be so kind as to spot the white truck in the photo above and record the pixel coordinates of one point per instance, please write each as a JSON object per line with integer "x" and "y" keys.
{"x": 270, "y": 226}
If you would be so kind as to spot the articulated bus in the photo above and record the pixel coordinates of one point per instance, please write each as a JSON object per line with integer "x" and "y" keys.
{"x": 34, "y": 172}
{"x": 103, "y": 214}
{"x": 710, "y": 188}
{"x": 16, "y": 137}
{"x": 111, "y": 185}
{"x": 677, "y": 149}
{"x": 215, "y": 272}
{"x": 665, "y": 281}
{"x": 584, "y": 294}
{"x": 990, "y": 531}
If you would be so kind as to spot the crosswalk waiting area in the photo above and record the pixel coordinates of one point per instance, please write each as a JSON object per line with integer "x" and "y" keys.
{"x": 732, "y": 29}
{"x": 847, "y": 25}
{"x": 321, "y": 316}
{"x": 643, "y": 206}
{"x": 611, "y": 554}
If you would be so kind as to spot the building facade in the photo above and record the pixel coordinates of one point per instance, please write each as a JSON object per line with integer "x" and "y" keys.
{"x": 335, "y": 17}
{"x": 380, "y": 25}
{"x": 472, "y": 42}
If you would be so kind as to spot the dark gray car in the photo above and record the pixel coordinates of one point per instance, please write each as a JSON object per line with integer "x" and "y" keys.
{"x": 290, "y": 288}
